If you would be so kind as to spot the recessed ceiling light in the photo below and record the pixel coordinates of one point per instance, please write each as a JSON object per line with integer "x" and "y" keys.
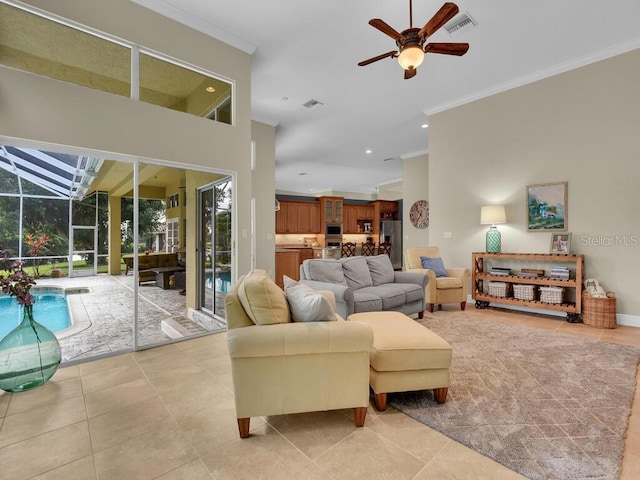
{"x": 368, "y": 151}
{"x": 303, "y": 173}
{"x": 284, "y": 99}
{"x": 210, "y": 89}
{"x": 424, "y": 125}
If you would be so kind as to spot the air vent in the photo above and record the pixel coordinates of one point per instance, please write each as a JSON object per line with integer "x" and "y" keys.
{"x": 460, "y": 24}
{"x": 311, "y": 104}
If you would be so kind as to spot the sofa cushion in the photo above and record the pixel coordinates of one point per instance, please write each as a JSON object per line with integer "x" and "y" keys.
{"x": 168, "y": 260}
{"x": 436, "y": 264}
{"x": 381, "y": 269}
{"x": 326, "y": 270}
{"x": 262, "y": 299}
{"x": 366, "y": 302}
{"x": 412, "y": 292}
{"x": 448, "y": 282}
{"x": 356, "y": 272}
{"x": 306, "y": 304}
{"x": 391, "y": 296}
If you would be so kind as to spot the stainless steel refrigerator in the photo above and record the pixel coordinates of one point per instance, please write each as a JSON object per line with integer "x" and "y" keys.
{"x": 391, "y": 231}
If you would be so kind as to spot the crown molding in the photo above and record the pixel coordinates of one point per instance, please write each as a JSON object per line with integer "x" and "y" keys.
{"x": 593, "y": 57}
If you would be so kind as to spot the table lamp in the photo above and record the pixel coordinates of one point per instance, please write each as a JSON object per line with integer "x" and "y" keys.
{"x": 492, "y": 215}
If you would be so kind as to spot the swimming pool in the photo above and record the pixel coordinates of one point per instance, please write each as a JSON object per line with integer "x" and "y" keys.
{"x": 50, "y": 310}
{"x": 223, "y": 281}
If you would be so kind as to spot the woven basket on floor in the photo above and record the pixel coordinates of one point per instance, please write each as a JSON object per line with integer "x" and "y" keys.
{"x": 599, "y": 312}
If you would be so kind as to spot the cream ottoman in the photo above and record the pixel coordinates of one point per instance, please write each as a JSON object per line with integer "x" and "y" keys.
{"x": 405, "y": 356}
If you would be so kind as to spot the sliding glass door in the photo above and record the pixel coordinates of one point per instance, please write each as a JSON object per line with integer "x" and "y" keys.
{"x": 214, "y": 245}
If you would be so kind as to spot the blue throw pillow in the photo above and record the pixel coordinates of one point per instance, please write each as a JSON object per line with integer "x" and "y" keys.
{"x": 434, "y": 264}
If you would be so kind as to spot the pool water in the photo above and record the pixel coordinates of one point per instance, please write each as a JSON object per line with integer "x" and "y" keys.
{"x": 223, "y": 281}
{"x": 49, "y": 310}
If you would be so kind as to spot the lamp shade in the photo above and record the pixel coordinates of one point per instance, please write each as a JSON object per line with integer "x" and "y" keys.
{"x": 411, "y": 57}
{"x": 492, "y": 215}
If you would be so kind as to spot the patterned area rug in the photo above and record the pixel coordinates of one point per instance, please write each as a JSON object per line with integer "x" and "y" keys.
{"x": 544, "y": 404}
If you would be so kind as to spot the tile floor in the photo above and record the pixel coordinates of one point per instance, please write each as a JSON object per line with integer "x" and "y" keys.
{"x": 168, "y": 413}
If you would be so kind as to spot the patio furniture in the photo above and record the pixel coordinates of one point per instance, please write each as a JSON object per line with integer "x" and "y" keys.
{"x": 163, "y": 275}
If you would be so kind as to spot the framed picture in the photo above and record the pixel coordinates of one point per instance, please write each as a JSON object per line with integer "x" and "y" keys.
{"x": 547, "y": 207}
{"x": 560, "y": 243}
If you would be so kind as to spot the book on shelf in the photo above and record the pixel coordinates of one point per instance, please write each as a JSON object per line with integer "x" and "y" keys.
{"x": 500, "y": 271}
{"x": 538, "y": 271}
{"x": 524, "y": 274}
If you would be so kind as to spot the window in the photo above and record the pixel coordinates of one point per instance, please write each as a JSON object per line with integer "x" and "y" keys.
{"x": 98, "y": 61}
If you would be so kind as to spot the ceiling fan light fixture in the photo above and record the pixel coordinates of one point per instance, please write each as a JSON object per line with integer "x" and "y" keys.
{"x": 411, "y": 57}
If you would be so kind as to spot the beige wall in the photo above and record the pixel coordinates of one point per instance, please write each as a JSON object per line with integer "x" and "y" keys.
{"x": 55, "y": 113}
{"x": 583, "y": 127}
{"x": 416, "y": 187}
{"x": 263, "y": 181}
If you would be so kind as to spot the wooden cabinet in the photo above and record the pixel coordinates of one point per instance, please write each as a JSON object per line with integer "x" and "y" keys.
{"x": 287, "y": 263}
{"x": 308, "y": 216}
{"x": 355, "y": 216}
{"x": 482, "y": 263}
{"x": 298, "y": 217}
{"x": 331, "y": 210}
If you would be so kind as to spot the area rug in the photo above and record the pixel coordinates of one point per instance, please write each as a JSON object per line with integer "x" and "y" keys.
{"x": 544, "y": 404}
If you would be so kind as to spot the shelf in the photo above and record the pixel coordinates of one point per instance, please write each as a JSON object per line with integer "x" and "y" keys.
{"x": 571, "y": 283}
{"x": 562, "y": 307}
{"x": 572, "y": 286}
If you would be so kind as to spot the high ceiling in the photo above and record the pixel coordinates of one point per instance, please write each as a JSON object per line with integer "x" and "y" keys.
{"x": 303, "y": 50}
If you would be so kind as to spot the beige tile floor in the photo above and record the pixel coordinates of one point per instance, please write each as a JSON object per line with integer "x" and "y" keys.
{"x": 168, "y": 413}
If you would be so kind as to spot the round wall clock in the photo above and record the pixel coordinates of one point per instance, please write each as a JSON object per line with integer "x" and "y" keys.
{"x": 419, "y": 214}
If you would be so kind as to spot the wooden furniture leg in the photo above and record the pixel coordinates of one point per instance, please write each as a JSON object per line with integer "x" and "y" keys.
{"x": 359, "y": 415}
{"x": 440, "y": 394}
{"x": 421, "y": 314}
{"x": 463, "y": 305}
{"x": 381, "y": 401}
{"x": 431, "y": 305}
{"x": 243, "y": 427}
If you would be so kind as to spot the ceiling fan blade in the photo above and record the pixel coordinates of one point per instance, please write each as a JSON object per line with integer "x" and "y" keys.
{"x": 393, "y": 53}
{"x": 385, "y": 28}
{"x": 410, "y": 73}
{"x": 442, "y": 16}
{"x": 447, "y": 48}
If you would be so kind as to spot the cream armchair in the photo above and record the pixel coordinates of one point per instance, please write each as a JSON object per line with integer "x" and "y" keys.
{"x": 281, "y": 367}
{"x": 439, "y": 290}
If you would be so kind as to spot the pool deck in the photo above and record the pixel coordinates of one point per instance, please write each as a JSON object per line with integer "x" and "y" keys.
{"x": 103, "y": 317}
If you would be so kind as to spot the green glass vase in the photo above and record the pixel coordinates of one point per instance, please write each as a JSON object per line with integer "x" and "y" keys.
{"x": 29, "y": 355}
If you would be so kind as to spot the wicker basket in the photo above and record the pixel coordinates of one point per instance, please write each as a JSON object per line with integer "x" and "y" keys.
{"x": 599, "y": 312}
{"x": 524, "y": 292}
{"x": 498, "y": 289}
{"x": 551, "y": 294}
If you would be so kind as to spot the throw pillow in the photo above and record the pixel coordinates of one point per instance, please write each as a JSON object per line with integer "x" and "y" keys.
{"x": 262, "y": 299}
{"x": 326, "y": 270}
{"x": 356, "y": 272}
{"x": 434, "y": 264}
{"x": 307, "y": 305}
{"x": 381, "y": 269}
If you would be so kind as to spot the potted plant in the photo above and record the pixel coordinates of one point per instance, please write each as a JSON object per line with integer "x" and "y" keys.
{"x": 30, "y": 353}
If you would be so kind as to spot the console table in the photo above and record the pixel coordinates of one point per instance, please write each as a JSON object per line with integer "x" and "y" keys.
{"x": 573, "y": 285}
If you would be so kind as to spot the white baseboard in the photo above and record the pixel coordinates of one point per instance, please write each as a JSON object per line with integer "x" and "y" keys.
{"x": 621, "y": 318}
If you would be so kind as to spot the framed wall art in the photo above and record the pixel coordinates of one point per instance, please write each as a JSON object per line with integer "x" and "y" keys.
{"x": 560, "y": 243}
{"x": 547, "y": 207}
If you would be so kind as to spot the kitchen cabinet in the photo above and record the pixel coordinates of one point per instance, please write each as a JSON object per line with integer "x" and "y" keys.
{"x": 331, "y": 210}
{"x": 287, "y": 263}
{"x": 298, "y": 217}
{"x": 355, "y": 216}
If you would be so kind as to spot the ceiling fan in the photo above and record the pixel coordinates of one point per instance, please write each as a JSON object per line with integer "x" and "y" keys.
{"x": 411, "y": 42}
